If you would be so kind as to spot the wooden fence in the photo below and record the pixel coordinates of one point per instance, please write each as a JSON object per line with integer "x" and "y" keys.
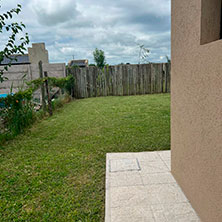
{"x": 121, "y": 80}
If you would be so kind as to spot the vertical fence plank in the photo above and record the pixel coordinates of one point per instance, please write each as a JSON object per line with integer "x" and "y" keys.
{"x": 168, "y": 77}
{"x": 90, "y": 84}
{"x": 164, "y": 77}
{"x": 116, "y": 80}
{"x": 42, "y": 86}
{"x": 160, "y": 75}
{"x": 48, "y": 94}
{"x": 137, "y": 75}
{"x": 110, "y": 73}
{"x": 107, "y": 77}
{"x": 130, "y": 74}
{"x": 82, "y": 86}
{"x": 153, "y": 79}
{"x": 142, "y": 80}
{"x": 125, "y": 80}
{"x": 134, "y": 79}
{"x": 111, "y": 80}
{"x": 148, "y": 79}
{"x": 121, "y": 80}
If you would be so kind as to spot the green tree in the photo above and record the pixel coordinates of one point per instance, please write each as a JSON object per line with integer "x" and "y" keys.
{"x": 99, "y": 58}
{"x": 14, "y": 44}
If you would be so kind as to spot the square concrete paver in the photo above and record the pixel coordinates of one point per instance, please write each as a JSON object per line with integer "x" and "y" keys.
{"x": 120, "y": 165}
{"x": 141, "y": 188}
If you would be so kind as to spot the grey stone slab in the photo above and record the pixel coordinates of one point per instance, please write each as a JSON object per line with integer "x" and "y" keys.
{"x": 165, "y": 155}
{"x": 146, "y": 195}
{"x": 174, "y": 212}
{"x": 166, "y": 193}
{"x": 149, "y": 194}
{"x": 132, "y": 214}
{"x": 154, "y": 166}
{"x": 128, "y": 178}
{"x": 168, "y": 164}
{"x": 153, "y": 156}
{"x": 120, "y": 165}
{"x": 187, "y": 217}
{"x": 157, "y": 178}
{"x": 131, "y": 196}
{"x": 116, "y": 156}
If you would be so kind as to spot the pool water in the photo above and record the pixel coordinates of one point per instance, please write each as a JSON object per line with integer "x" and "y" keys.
{"x": 2, "y": 103}
{"x": 3, "y": 95}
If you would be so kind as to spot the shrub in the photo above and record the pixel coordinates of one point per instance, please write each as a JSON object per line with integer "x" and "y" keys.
{"x": 17, "y": 112}
{"x": 66, "y": 83}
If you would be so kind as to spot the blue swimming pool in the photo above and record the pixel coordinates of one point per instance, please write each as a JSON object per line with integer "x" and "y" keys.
{"x": 3, "y": 95}
{"x": 2, "y": 103}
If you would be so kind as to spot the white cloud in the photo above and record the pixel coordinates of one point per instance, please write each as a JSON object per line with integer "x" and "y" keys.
{"x": 53, "y": 12}
{"x": 77, "y": 27}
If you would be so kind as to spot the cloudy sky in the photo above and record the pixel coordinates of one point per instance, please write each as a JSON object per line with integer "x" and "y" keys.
{"x": 77, "y": 27}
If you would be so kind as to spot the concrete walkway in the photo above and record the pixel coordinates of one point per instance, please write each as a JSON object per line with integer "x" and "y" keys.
{"x": 141, "y": 188}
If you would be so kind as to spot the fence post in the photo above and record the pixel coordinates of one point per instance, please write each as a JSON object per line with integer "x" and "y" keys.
{"x": 42, "y": 86}
{"x": 48, "y": 95}
{"x": 162, "y": 77}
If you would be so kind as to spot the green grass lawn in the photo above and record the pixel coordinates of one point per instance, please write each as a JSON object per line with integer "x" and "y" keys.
{"x": 56, "y": 171}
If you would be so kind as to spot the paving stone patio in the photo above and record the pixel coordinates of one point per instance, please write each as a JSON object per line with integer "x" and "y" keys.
{"x": 141, "y": 188}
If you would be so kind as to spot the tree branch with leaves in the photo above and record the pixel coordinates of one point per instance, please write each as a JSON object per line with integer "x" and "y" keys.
{"x": 14, "y": 44}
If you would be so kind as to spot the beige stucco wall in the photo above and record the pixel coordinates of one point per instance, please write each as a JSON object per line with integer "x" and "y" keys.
{"x": 196, "y": 106}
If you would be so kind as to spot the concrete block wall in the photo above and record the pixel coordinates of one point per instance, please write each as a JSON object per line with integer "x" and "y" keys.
{"x": 30, "y": 72}
{"x": 37, "y": 53}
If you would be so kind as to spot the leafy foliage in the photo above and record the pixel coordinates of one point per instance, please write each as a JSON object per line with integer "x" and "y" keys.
{"x": 99, "y": 58}
{"x": 14, "y": 29}
{"x": 65, "y": 83}
{"x": 17, "y": 111}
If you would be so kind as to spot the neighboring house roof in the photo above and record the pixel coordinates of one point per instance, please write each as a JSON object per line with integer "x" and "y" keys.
{"x": 17, "y": 60}
{"x": 83, "y": 62}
